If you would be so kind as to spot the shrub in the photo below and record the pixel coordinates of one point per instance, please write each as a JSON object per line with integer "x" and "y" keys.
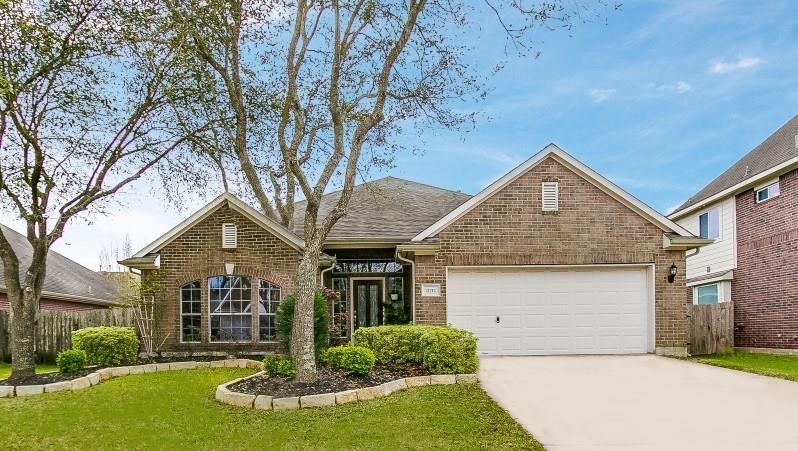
{"x": 71, "y": 361}
{"x": 279, "y": 366}
{"x": 107, "y": 346}
{"x": 355, "y": 359}
{"x": 285, "y": 322}
{"x": 440, "y": 349}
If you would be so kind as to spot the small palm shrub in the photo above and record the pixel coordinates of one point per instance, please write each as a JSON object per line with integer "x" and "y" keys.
{"x": 354, "y": 359}
{"x": 71, "y": 361}
{"x": 279, "y": 366}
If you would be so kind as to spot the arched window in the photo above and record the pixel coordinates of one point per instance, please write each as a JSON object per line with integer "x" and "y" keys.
{"x": 190, "y": 313}
{"x": 230, "y": 308}
{"x": 269, "y": 296}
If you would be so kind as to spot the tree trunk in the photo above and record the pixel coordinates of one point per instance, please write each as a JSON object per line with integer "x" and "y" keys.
{"x": 302, "y": 344}
{"x": 24, "y": 306}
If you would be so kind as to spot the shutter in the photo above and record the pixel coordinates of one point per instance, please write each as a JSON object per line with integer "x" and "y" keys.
{"x": 229, "y": 236}
{"x": 550, "y": 195}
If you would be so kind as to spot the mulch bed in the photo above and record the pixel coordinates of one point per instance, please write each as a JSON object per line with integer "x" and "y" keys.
{"x": 329, "y": 381}
{"x": 47, "y": 378}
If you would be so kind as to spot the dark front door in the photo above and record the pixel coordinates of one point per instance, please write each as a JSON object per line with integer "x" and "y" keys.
{"x": 368, "y": 302}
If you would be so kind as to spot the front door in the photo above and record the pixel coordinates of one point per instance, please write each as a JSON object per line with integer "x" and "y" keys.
{"x": 368, "y": 302}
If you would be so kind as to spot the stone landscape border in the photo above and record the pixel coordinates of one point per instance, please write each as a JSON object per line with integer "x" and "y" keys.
{"x": 90, "y": 380}
{"x": 265, "y": 402}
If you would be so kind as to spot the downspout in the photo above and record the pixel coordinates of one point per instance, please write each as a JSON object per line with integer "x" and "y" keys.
{"x": 325, "y": 270}
{"x": 412, "y": 281}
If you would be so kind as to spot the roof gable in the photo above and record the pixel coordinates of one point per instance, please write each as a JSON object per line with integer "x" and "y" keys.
{"x": 235, "y": 204}
{"x": 553, "y": 151}
{"x": 775, "y": 155}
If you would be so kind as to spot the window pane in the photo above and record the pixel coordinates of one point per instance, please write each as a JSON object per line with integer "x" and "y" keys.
{"x": 774, "y": 190}
{"x": 703, "y": 225}
{"x": 708, "y": 294}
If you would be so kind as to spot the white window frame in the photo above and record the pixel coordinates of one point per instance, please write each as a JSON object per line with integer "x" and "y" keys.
{"x": 272, "y": 287}
{"x": 252, "y": 329}
{"x": 720, "y": 291}
{"x": 229, "y": 236}
{"x": 768, "y": 190}
{"x": 550, "y": 189}
{"x": 708, "y": 214}
{"x": 182, "y": 314}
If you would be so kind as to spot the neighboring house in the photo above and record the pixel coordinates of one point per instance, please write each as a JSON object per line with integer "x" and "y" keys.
{"x": 751, "y": 211}
{"x": 550, "y": 259}
{"x": 67, "y": 284}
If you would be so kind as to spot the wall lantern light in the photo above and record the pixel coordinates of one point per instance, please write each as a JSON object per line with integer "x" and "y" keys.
{"x": 672, "y": 273}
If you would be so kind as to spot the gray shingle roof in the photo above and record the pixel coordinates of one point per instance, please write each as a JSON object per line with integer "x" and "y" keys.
{"x": 390, "y": 208}
{"x": 64, "y": 276}
{"x": 776, "y": 149}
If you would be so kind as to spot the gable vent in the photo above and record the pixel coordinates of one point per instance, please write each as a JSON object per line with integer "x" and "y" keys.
{"x": 550, "y": 195}
{"x": 229, "y": 236}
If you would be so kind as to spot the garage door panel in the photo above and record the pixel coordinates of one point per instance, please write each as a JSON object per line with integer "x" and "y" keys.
{"x": 577, "y": 311}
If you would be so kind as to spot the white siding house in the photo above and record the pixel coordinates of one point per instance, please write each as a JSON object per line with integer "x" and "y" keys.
{"x": 719, "y": 257}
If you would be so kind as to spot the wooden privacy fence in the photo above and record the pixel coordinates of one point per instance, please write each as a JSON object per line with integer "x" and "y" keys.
{"x": 54, "y": 330}
{"x": 711, "y": 328}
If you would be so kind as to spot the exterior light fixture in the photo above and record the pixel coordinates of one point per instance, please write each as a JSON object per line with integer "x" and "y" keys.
{"x": 672, "y": 272}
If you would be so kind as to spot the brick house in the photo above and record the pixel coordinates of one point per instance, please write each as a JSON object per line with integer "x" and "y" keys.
{"x": 751, "y": 211}
{"x": 68, "y": 286}
{"x": 550, "y": 259}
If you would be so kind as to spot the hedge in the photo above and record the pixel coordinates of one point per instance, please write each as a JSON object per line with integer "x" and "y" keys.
{"x": 440, "y": 349}
{"x": 354, "y": 359}
{"x": 71, "y": 361}
{"x": 107, "y": 346}
{"x": 279, "y": 366}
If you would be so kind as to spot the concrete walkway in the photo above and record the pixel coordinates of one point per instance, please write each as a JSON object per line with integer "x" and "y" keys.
{"x": 643, "y": 403}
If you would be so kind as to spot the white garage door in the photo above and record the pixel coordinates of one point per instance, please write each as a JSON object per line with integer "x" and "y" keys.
{"x": 530, "y": 311}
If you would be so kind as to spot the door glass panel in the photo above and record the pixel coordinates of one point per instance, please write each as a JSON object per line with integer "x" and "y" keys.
{"x": 374, "y": 305}
{"x": 361, "y": 305}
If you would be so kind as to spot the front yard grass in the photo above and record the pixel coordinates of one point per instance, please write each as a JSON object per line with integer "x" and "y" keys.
{"x": 782, "y": 366}
{"x": 5, "y": 369}
{"x": 176, "y": 410}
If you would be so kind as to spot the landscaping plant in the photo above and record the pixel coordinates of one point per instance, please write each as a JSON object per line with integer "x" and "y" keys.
{"x": 355, "y": 359}
{"x": 440, "y": 349}
{"x": 285, "y": 322}
{"x": 279, "y": 366}
{"x": 107, "y": 346}
{"x": 71, "y": 361}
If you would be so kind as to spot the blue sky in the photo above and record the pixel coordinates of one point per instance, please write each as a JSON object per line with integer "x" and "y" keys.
{"x": 660, "y": 98}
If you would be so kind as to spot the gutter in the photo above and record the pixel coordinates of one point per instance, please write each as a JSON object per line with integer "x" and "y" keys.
{"x": 412, "y": 264}
{"x": 73, "y": 298}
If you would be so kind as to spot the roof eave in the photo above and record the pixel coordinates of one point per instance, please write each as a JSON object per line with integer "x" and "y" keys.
{"x": 671, "y": 242}
{"x": 744, "y": 185}
{"x": 74, "y": 298}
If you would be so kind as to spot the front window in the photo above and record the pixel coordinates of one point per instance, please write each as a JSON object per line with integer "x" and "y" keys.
{"x": 709, "y": 224}
{"x": 190, "y": 314}
{"x": 269, "y": 296}
{"x": 708, "y": 294}
{"x": 230, "y": 308}
{"x": 768, "y": 192}
{"x": 339, "y": 285}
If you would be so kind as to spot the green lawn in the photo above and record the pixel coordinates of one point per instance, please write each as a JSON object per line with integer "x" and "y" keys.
{"x": 783, "y": 366}
{"x": 5, "y": 369}
{"x": 176, "y": 410}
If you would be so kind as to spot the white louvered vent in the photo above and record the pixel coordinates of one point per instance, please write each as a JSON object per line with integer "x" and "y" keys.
{"x": 550, "y": 195}
{"x": 229, "y": 236}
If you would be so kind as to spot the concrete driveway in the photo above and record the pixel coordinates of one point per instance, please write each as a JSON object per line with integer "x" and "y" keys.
{"x": 643, "y": 403}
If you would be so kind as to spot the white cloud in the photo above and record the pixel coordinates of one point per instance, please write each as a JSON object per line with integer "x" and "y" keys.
{"x": 721, "y": 66}
{"x": 602, "y": 95}
{"x": 679, "y": 87}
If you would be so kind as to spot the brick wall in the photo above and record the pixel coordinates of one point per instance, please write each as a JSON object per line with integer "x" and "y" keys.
{"x": 197, "y": 254}
{"x": 765, "y": 285}
{"x": 591, "y": 228}
{"x": 53, "y": 305}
